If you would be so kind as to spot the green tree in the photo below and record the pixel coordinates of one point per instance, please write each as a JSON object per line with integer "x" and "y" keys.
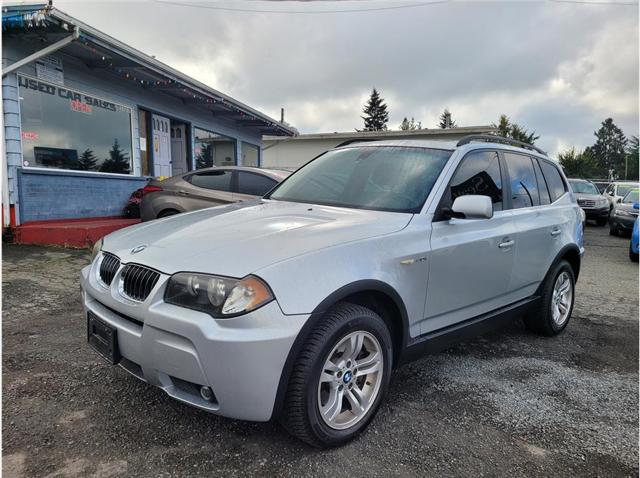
{"x": 118, "y": 161}
{"x": 632, "y": 167}
{"x": 376, "y": 114}
{"x": 446, "y": 121}
{"x": 410, "y": 125}
{"x": 87, "y": 161}
{"x": 579, "y": 164}
{"x": 507, "y": 129}
{"x": 205, "y": 157}
{"x": 610, "y": 147}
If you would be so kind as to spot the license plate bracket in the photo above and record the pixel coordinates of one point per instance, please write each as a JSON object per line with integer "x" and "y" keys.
{"x": 103, "y": 338}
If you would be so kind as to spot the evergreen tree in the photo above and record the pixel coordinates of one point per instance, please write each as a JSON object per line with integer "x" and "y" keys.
{"x": 610, "y": 147}
{"x": 632, "y": 159}
{"x": 446, "y": 121}
{"x": 87, "y": 161}
{"x": 376, "y": 114}
{"x": 412, "y": 125}
{"x": 507, "y": 129}
{"x": 579, "y": 165}
{"x": 118, "y": 161}
{"x": 205, "y": 157}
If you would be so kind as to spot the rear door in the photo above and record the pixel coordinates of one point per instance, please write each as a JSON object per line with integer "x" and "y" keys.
{"x": 542, "y": 213}
{"x": 471, "y": 259}
{"x": 207, "y": 189}
{"x": 252, "y": 185}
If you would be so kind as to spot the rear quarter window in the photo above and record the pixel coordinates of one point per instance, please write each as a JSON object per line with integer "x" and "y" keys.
{"x": 554, "y": 181}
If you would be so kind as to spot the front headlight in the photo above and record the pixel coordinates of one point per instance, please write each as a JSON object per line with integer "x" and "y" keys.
{"x": 97, "y": 247}
{"x": 602, "y": 202}
{"x": 219, "y": 296}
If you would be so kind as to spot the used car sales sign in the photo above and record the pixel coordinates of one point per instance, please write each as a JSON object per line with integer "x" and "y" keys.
{"x": 80, "y": 102}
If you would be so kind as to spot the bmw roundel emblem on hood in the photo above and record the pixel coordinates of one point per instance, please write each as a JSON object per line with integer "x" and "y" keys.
{"x": 139, "y": 248}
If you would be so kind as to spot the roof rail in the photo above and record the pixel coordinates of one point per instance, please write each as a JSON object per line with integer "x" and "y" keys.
{"x": 492, "y": 138}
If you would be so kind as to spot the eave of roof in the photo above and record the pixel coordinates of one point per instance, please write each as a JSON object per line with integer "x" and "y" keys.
{"x": 465, "y": 130}
{"x": 199, "y": 92}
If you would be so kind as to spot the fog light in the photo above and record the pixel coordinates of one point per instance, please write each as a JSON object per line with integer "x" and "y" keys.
{"x": 206, "y": 393}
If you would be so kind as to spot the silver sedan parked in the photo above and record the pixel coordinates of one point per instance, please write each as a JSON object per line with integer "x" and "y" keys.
{"x": 206, "y": 188}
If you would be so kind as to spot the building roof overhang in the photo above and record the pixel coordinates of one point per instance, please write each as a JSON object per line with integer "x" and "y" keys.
{"x": 100, "y": 51}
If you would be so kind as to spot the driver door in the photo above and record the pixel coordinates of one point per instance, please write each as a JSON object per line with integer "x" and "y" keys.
{"x": 471, "y": 259}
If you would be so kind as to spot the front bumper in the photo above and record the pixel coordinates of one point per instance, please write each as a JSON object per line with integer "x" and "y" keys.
{"x": 179, "y": 350}
{"x": 596, "y": 213}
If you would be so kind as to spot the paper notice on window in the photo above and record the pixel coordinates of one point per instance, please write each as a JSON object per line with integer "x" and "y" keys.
{"x": 49, "y": 68}
{"x": 143, "y": 144}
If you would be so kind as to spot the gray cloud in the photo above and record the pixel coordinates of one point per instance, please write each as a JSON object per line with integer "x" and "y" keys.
{"x": 557, "y": 68}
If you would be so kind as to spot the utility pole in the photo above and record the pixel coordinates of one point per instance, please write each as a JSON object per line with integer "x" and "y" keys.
{"x": 282, "y": 115}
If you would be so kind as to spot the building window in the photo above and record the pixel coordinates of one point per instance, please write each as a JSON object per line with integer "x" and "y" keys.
{"x": 250, "y": 155}
{"x": 212, "y": 149}
{"x": 65, "y": 129}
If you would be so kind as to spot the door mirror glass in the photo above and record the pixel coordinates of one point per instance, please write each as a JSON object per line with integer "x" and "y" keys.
{"x": 473, "y": 206}
{"x": 636, "y": 205}
{"x": 619, "y": 200}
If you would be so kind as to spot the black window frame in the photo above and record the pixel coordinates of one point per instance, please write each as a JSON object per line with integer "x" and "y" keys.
{"x": 441, "y": 212}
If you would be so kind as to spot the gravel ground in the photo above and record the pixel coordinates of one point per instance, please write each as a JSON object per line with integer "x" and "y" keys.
{"x": 506, "y": 404}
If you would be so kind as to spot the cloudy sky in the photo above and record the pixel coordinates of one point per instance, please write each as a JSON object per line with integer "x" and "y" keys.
{"x": 557, "y": 67}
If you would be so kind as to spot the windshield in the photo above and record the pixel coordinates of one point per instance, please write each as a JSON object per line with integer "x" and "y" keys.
{"x": 632, "y": 196}
{"x": 623, "y": 189}
{"x": 583, "y": 187}
{"x": 383, "y": 178}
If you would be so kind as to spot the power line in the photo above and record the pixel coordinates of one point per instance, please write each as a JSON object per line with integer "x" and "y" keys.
{"x": 378, "y": 9}
{"x": 305, "y": 12}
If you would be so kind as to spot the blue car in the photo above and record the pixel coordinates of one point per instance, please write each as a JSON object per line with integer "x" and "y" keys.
{"x": 633, "y": 247}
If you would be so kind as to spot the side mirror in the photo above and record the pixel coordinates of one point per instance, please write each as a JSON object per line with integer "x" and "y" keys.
{"x": 636, "y": 205}
{"x": 619, "y": 200}
{"x": 473, "y": 206}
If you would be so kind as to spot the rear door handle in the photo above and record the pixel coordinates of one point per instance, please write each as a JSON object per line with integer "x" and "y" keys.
{"x": 183, "y": 193}
{"x": 555, "y": 232}
{"x": 506, "y": 244}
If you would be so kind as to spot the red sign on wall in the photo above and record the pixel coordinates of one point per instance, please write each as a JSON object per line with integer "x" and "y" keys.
{"x": 30, "y": 135}
{"x": 77, "y": 105}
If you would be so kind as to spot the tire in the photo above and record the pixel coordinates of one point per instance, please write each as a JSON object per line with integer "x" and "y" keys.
{"x": 613, "y": 231}
{"x": 541, "y": 319}
{"x": 167, "y": 213}
{"x": 602, "y": 221}
{"x": 632, "y": 255}
{"x": 306, "y": 393}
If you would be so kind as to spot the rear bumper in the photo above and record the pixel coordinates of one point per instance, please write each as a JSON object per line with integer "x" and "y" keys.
{"x": 179, "y": 350}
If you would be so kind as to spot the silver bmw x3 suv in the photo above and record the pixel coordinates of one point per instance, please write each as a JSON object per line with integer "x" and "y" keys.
{"x": 299, "y": 305}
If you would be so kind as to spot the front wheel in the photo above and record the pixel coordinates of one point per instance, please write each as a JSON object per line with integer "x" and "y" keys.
{"x": 633, "y": 255}
{"x": 340, "y": 377}
{"x": 553, "y": 312}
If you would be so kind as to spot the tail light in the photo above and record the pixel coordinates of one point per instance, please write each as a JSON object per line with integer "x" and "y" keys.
{"x": 150, "y": 189}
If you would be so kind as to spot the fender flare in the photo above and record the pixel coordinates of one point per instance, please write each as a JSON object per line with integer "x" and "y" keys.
{"x": 561, "y": 253}
{"x": 317, "y": 314}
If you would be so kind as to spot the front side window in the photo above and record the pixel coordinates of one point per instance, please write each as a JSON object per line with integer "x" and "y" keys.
{"x": 254, "y": 184}
{"x": 386, "y": 178}
{"x": 522, "y": 179}
{"x": 217, "y": 180}
{"x": 213, "y": 149}
{"x": 631, "y": 197}
{"x": 66, "y": 129}
{"x": 478, "y": 173}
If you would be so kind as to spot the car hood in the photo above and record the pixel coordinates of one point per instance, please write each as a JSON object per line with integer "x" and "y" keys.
{"x": 241, "y": 238}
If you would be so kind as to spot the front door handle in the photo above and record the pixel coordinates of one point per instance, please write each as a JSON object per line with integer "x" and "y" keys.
{"x": 506, "y": 244}
{"x": 556, "y": 231}
{"x": 183, "y": 193}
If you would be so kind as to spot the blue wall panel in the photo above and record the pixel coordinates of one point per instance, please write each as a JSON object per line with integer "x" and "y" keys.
{"x": 58, "y": 194}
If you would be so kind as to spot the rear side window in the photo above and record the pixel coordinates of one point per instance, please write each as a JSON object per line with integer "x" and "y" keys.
{"x": 255, "y": 184}
{"x": 522, "y": 178}
{"x": 478, "y": 173}
{"x": 545, "y": 197}
{"x": 554, "y": 181}
{"x": 218, "y": 180}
